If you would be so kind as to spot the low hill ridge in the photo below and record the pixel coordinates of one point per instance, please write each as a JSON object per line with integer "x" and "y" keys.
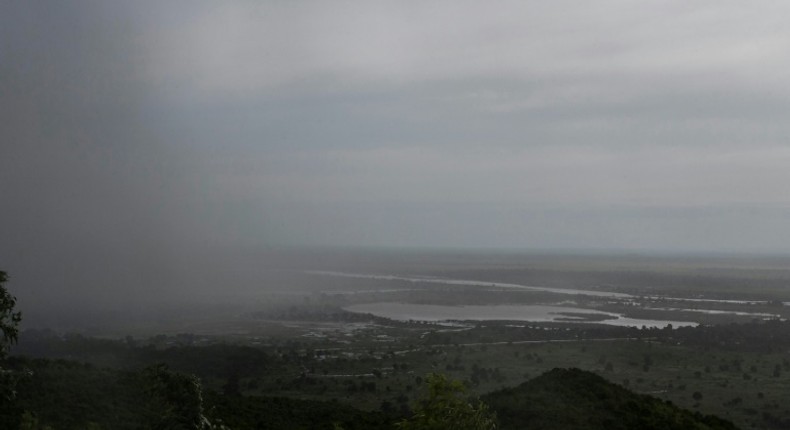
{"x": 576, "y": 399}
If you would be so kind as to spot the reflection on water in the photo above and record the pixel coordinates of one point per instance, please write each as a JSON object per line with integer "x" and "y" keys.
{"x": 533, "y": 313}
{"x": 763, "y": 315}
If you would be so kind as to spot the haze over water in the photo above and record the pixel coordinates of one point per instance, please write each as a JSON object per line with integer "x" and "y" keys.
{"x": 155, "y": 152}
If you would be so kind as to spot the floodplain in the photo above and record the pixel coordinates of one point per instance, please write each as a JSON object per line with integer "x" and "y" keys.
{"x": 710, "y": 335}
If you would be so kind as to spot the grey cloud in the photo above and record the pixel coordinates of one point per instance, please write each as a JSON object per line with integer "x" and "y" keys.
{"x": 138, "y": 139}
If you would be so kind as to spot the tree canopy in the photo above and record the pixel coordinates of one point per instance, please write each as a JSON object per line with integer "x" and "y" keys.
{"x": 9, "y": 327}
{"x": 446, "y": 406}
{"x": 9, "y": 318}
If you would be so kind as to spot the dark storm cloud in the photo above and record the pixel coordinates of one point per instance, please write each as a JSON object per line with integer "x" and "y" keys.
{"x": 90, "y": 189}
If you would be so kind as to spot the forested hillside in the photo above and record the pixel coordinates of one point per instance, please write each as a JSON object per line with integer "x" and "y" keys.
{"x": 575, "y": 399}
{"x": 69, "y": 395}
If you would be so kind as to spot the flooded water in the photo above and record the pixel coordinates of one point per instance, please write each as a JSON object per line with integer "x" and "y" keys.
{"x": 763, "y": 315}
{"x": 532, "y": 313}
{"x": 567, "y": 291}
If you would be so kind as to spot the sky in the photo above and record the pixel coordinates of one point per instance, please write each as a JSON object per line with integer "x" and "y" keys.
{"x": 135, "y": 133}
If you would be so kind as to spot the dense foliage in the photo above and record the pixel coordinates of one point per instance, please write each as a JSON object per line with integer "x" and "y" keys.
{"x": 9, "y": 329}
{"x": 575, "y": 399}
{"x": 274, "y": 413}
{"x": 67, "y": 395}
{"x": 445, "y": 406}
{"x": 9, "y": 317}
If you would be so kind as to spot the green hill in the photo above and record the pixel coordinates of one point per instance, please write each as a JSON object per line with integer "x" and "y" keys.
{"x": 71, "y": 395}
{"x": 575, "y": 399}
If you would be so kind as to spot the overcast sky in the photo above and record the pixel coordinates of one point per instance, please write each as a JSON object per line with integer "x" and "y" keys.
{"x": 133, "y": 130}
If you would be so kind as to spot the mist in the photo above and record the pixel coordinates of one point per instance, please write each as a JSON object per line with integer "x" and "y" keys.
{"x": 155, "y": 152}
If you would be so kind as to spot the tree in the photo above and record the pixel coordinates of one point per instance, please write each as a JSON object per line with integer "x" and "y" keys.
{"x": 176, "y": 400}
{"x": 9, "y": 329}
{"x": 446, "y": 407}
{"x": 9, "y": 319}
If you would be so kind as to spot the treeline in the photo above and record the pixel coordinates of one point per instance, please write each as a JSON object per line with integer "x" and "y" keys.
{"x": 757, "y": 336}
{"x": 215, "y": 360}
{"x": 65, "y": 395}
{"x": 761, "y": 336}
